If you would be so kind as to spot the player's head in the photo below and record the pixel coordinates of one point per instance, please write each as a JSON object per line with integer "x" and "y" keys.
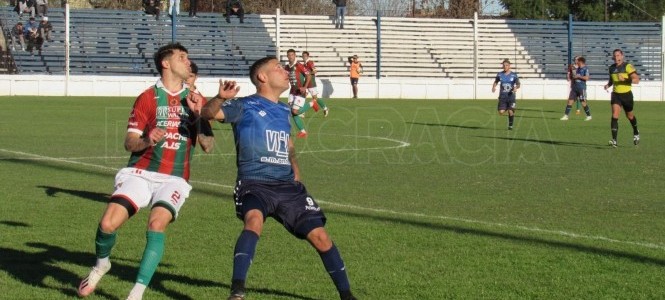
{"x": 617, "y": 55}
{"x": 170, "y": 56}
{"x": 580, "y": 60}
{"x": 291, "y": 56}
{"x": 267, "y": 74}
{"x": 506, "y": 64}
{"x": 305, "y": 55}
{"x": 193, "y": 75}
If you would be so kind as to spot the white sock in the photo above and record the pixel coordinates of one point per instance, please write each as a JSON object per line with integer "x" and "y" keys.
{"x": 102, "y": 262}
{"x": 137, "y": 291}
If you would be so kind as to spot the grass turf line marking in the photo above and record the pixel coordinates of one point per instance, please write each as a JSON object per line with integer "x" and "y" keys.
{"x": 391, "y": 212}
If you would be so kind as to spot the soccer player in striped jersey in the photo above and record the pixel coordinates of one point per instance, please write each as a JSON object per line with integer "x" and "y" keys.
{"x": 510, "y": 83}
{"x": 622, "y": 76}
{"x": 311, "y": 68}
{"x": 163, "y": 129}
{"x": 268, "y": 182}
{"x": 300, "y": 79}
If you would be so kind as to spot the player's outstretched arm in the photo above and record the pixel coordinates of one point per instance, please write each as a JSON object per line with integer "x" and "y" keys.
{"x": 212, "y": 110}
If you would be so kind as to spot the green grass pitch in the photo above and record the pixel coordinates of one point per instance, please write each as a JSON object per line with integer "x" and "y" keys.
{"x": 425, "y": 200}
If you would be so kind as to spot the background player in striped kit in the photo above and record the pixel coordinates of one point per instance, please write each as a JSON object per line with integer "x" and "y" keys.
{"x": 311, "y": 67}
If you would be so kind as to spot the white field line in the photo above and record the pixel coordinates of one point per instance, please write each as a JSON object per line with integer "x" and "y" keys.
{"x": 391, "y": 212}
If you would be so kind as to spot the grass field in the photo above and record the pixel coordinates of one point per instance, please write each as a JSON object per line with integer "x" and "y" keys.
{"x": 425, "y": 200}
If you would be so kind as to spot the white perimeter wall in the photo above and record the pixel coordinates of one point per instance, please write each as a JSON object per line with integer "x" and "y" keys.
{"x": 369, "y": 88}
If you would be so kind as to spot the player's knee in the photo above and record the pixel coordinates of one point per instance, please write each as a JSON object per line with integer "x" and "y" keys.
{"x": 109, "y": 225}
{"x": 320, "y": 239}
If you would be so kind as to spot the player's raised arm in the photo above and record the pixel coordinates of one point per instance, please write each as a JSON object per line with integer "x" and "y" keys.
{"x": 212, "y": 110}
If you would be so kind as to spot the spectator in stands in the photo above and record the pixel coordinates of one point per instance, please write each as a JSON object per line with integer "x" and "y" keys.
{"x": 42, "y": 7}
{"x": 175, "y": 3}
{"x": 340, "y": 11}
{"x": 193, "y": 8}
{"x": 45, "y": 29}
{"x": 31, "y": 32}
{"x": 23, "y": 6}
{"x": 152, "y": 7}
{"x": 17, "y": 33}
{"x": 234, "y": 7}
{"x": 355, "y": 70}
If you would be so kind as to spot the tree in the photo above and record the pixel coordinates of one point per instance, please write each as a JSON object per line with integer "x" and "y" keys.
{"x": 586, "y": 10}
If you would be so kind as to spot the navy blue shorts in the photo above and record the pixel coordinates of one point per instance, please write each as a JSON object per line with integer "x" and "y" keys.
{"x": 287, "y": 202}
{"x": 577, "y": 93}
{"x": 506, "y": 102}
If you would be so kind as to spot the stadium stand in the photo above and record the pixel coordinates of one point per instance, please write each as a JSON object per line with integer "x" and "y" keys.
{"x": 117, "y": 42}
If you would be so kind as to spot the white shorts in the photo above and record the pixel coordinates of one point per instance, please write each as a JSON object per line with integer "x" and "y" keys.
{"x": 145, "y": 188}
{"x": 313, "y": 91}
{"x": 296, "y": 102}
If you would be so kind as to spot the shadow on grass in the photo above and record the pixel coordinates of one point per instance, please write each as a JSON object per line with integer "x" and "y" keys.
{"x": 509, "y": 237}
{"x": 447, "y": 125}
{"x": 548, "y": 142}
{"x": 15, "y": 224}
{"x": 536, "y": 109}
{"x": 52, "y": 191}
{"x": 34, "y": 268}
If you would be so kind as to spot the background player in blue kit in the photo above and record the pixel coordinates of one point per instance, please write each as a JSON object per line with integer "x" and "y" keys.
{"x": 268, "y": 181}
{"x": 578, "y": 88}
{"x": 510, "y": 83}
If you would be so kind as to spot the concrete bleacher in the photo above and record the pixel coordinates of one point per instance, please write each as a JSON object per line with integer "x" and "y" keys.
{"x": 118, "y": 42}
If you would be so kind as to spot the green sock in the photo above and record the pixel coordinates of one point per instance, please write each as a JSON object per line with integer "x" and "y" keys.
{"x": 104, "y": 242}
{"x": 321, "y": 103}
{"x": 299, "y": 123}
{"x": 154, "y": 249}
{"x": 304, "y": 108}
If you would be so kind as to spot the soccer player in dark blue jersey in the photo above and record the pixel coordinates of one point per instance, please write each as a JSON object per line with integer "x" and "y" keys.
{"x": 578, "y": 88}
{"x": 510, "y": 83}
{"x": 268, "y": 182}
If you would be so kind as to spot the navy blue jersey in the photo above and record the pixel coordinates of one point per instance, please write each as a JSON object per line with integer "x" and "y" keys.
{"x": 581, "y": 83}
{"x": 508, "y": 82}
{"x": 261, "y": 129}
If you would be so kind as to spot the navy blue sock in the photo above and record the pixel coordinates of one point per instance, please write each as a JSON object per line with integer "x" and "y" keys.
{"x": 510, "y": 120}
{"x": 587, "y": 110}
{"x": 568, "y": 108}
{"x": 333, "y": 263}
{"x": 244, "y": 254}
{"x": 614, "y": 126}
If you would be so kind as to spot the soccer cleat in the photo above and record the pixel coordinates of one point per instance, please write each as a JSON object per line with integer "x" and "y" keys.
{"x": 302, "y": 134}
{"x": 588, "y": 118}
{"x": 89, "y": 284}
{"x": 237, "y": 294}
{"x": 564, "y": 118}
{"x": 510, "y": 127}
{"x": 578, "y": 112}
{"x": 636, "y": 139}
{"x": 315, "y": 106}
{"x": 325, "y": 112}
{"x": 613, "y": 143}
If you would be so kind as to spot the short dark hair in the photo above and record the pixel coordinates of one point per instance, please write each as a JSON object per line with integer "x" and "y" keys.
{"x": 305, "y": 52}
{"x": 290, "y": 50}
{"x": 256, "y": 66}
{"x": 195, "y": 68}
{"x": 19, "y": 23}
{"x": 617, "y": 50}
{"x": 165, "y": 52}
{"x": 581, "y": 59}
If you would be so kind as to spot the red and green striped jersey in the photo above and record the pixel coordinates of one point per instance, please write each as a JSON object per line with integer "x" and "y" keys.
{"x": 297, "y": 76}
{"x": 157, "y": 107}
{"x": 311, "y": 67}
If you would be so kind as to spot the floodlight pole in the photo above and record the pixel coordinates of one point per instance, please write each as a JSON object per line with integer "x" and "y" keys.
{"x": 67, "y": 48}
{"x": 570, "y": 38}
{"x": 278, "y": 23}
{"x": 662, "y": 59}
{"x": 173, "y": 23}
